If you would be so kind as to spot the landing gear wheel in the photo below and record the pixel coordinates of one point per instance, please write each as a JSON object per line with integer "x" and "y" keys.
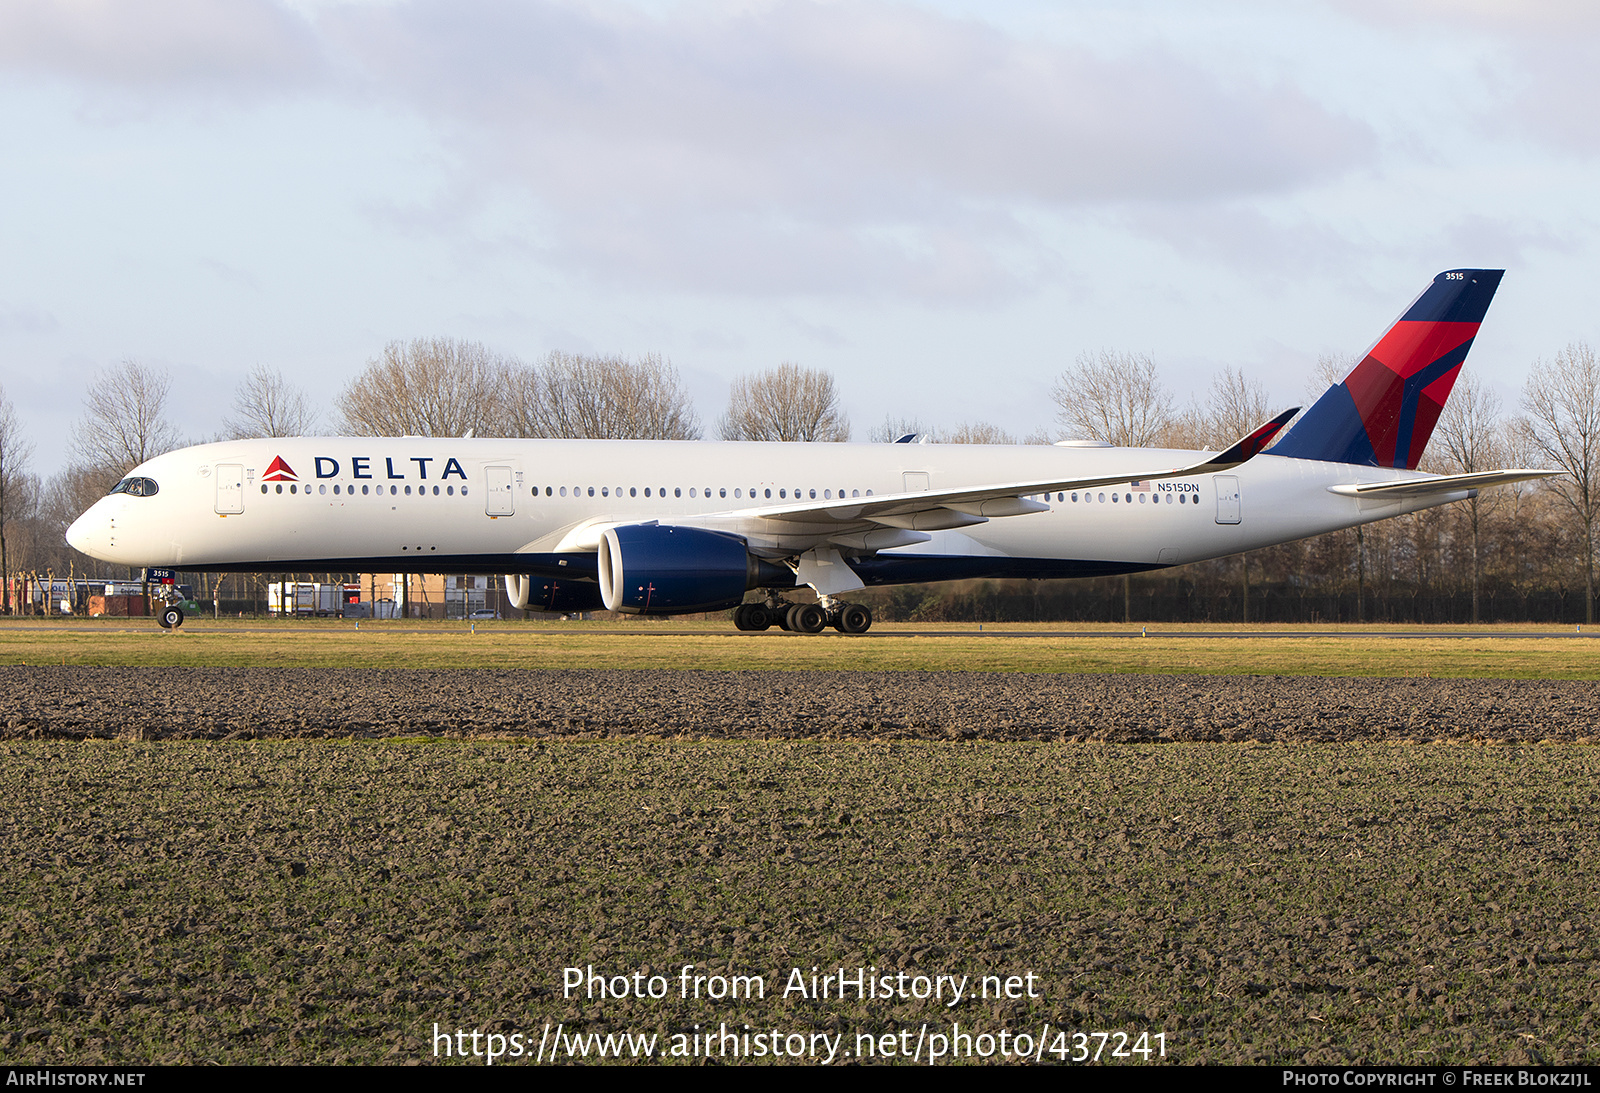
{"x": 170, "y": 618}
{"x": 751, "y": 616}
{"x": 807, "y": 618}
{"x": 854, "y": 619}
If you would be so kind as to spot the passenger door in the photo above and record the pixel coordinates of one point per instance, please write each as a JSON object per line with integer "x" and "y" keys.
{"x": 501, "y": 501}
{"x": 1229, "y": 508}
{"x": 230, "y": 488}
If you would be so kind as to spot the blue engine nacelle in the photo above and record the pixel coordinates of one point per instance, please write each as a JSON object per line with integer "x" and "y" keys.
{"x": 654, "y": 569}
{"x": 548, "y": 594}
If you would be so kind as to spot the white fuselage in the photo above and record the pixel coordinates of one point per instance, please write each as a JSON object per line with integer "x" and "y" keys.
{"x": 436, "y": 504}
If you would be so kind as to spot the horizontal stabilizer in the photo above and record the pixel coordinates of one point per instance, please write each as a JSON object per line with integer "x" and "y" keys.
{"x": 1447, "y": 483}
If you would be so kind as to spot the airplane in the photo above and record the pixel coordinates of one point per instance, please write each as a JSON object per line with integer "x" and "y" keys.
{"x": 672, "y": 527}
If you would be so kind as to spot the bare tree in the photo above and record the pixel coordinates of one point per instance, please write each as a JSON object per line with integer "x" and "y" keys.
{"x": 1115, "y": 397}
{"x": 1235, "y": 405}
{"x": 14, "y": 453}
{"x": 425, "y": 387}
{"x": 1469, "y": 434}
{"x": 787, "y": 403}
{"x": 974, "y": 432}
{"x": 603, "y": 398}
{"x": 1562, "y": 401}
{"x": 122, "y": 425}
{"x": 266, "y": 404}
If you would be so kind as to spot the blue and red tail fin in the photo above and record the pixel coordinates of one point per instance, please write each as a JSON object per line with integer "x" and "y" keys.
{"x": 1384, "y": 412}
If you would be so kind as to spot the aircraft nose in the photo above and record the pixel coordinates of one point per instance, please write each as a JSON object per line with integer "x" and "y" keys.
{"x": 81, "y": 536}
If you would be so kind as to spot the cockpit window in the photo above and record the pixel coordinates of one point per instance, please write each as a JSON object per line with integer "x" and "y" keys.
{"x": 136, "y": 487}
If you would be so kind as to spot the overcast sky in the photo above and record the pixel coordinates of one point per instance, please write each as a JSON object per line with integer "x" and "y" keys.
{"x": 942, "y": 203}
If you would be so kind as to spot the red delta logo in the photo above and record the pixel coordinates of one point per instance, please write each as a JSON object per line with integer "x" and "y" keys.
{"x": 280, "y": 471}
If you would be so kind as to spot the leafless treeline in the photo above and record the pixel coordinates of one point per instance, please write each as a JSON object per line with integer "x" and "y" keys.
{"x": 1516, "y": 552}
{"x": 446, "y": 387}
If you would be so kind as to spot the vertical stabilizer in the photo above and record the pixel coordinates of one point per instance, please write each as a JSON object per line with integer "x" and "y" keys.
{"x": 1384, "y": 412}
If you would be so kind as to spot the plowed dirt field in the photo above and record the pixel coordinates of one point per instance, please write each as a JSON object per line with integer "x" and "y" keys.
{"x": 276, "y": 703}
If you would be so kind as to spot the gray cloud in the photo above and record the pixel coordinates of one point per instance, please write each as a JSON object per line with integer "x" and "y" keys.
{"x": 160, "y": 44}
{"x": 807, "y": 147}
{"x": 1241, "y": 236}
{"x": 784, "y": 147}
{"x": 1541, "y": 67}
{"x": 860, "y": 103}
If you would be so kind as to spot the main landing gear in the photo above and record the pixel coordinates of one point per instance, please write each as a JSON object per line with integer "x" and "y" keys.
{"x": 803, "y": 618}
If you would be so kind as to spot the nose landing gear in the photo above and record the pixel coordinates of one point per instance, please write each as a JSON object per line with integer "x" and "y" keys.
{"x": 170, "y": 617}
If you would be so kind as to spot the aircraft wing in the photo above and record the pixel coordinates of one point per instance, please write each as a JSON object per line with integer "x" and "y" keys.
{"x": 1446, "y": 483}
{"x": 1002, "y": 499}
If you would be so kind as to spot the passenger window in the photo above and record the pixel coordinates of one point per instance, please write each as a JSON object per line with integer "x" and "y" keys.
{"x": 691, "y": 491}
{"x": 677, "y": 491}
{"x": 591, "y": 491}
{"x": 647, "y": 491}
{"x": 280, "y": 487}
{"x": 263, "y": 487}
{"x": 723, "y": 492}
{"x": 736, "y": 491}
{"x": 769, "y": 493}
